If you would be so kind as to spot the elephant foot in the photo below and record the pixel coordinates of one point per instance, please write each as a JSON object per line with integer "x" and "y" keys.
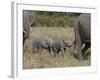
{"x": 78, "y": 57}
{"x": 85, "y": 57}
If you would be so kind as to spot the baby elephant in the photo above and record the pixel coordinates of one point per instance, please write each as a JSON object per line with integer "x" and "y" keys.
{"x": 41, "y": 43}
{"x": 60, "y": 46}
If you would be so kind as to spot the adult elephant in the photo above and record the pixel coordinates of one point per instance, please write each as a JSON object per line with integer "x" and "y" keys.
{"x": 28, "y": 20}
{"x": 82, "y": 34}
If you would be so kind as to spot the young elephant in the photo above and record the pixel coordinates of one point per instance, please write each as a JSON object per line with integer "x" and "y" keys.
{"x": 60, "y": 46}
{"x": 41, "y": 43}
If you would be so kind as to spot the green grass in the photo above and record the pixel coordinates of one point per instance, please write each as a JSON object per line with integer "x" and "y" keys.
{"x": 54, "y": 20}
{"x": 32, "y": 61}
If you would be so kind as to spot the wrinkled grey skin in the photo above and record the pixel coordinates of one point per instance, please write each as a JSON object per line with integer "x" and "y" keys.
{"x": 27, "y": 22}
{"x": 60, "y": 45}
{"x": 39, "y": 44}
{"x": 82, "y": 34}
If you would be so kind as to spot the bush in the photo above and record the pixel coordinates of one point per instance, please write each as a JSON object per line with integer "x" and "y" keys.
{"x": 53, "y": 19}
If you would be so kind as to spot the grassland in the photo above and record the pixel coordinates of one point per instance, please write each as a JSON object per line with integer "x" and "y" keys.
{"x": 33, "y": 61}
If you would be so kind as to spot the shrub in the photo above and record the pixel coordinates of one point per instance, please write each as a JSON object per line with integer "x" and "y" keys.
{"x": 53, "y": 19}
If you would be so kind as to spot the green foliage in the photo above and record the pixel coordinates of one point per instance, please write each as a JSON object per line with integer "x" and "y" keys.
{"x": 53, "y": 19}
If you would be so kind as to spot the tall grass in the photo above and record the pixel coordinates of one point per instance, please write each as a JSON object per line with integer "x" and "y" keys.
{"x": 35, "y": 60}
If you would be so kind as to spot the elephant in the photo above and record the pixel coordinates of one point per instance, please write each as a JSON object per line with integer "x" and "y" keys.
{"x": 40, "y": 43}
{"x": 28, "y": 20}
{"x": 59, "y": 45}
{"x": 82, "y": 34}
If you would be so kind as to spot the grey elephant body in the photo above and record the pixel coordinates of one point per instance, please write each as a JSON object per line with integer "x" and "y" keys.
{"x": 82, "y": 34}
{"x": 60, "y": 45}
{"x": 28, "y": 20}
{"x": 39, "y": 44}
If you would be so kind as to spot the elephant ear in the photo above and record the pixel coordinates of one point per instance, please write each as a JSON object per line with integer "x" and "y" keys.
{"x": 47, "y": 43}
{"x": 42, "y": 42}
{"x": 65, "y": 44}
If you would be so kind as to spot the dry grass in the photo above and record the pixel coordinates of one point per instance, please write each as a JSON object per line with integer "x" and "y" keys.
{"x": 31, "y": 60}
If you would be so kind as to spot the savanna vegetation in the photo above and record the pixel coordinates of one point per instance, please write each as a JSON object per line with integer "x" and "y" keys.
{"x": 53, "y": 25}
{"x": 54, "y": 19}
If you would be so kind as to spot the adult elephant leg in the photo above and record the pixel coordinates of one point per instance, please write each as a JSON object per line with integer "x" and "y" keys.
{"x": 23, "y": 37}
{"x": 78, "y": 42}
{"x": 64, "y": 49}
{"x": 79, "y": 47}
{"x": 23, "y": 41}
{"x": 87, "y": 45}
{"x": 79, "y": 50}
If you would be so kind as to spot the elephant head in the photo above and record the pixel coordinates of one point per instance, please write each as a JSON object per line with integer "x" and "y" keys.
{"x": 28, "y": 20}
{"x": 67, "y": 43}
